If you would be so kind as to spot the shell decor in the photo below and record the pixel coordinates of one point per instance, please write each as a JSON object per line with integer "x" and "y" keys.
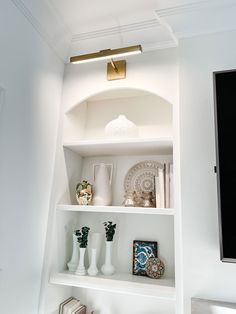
{"x": 121, "y": 128}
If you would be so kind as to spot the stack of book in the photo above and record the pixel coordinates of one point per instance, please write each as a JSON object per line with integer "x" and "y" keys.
{"x": 72, "y": 306}
{"x": 164, "y": 187}
{"x": 169, "y": 193}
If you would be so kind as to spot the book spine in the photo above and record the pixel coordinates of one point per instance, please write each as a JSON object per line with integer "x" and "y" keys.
{"x": 161, "y": 187}
{"x": 167, "y": 186}
{"x": 171, "y": 187}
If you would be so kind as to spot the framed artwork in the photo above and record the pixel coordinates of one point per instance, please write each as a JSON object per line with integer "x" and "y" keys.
{"x": 142, "y": 251}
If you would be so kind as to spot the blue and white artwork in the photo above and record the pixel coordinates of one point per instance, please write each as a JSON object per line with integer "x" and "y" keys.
{"x": 142, "y": 251}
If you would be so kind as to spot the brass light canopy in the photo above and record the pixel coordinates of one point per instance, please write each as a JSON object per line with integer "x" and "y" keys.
{"x": 115, "y": 69}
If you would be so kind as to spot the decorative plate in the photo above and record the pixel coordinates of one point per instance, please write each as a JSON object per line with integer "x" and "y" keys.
{"x": 141, "y": 176}
{"x": 154, "y": 268}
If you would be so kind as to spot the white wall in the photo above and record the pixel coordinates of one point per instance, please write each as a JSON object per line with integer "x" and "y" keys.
{"x": 31, "y": 75}
{"x": 205, "y": 276}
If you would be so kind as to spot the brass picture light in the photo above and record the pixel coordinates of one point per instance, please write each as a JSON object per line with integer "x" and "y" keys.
{"x": 115, "y": 69}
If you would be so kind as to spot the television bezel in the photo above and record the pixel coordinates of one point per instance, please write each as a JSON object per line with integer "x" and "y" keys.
{"x": 223, "y": 259}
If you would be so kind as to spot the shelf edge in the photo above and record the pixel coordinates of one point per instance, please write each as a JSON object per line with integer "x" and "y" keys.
{"x": 117, "y": 286}
{"x": 117, "y": 209}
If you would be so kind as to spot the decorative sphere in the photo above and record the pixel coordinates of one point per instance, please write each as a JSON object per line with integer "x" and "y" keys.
{"x": 154, "y": 268}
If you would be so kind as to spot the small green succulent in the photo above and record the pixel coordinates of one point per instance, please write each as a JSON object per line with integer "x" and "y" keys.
{"x": 82, "y": 236}
{"x": 110, "y": 230}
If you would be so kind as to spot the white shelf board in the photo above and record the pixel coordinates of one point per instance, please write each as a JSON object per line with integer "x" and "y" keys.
{"x": 136, "y": 146}
{"x": 117, "y": 209}
{"x": 119, "y": 283}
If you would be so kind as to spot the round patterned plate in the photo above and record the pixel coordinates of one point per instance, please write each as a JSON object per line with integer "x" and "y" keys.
{"x": 154, "y": 268}
{"x": 141, "y": 176}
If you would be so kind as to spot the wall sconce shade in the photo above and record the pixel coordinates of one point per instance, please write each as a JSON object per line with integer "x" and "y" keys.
{"x": 106, "y": 54}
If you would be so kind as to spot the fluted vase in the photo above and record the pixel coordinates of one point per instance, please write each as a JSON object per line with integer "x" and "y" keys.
{"x": 93, "y": 270}
{"x": 73, "y": 263}
{"x": 81, "y": 271}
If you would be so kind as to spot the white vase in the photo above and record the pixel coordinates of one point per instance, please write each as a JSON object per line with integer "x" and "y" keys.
{"x": 92, "y": 270}
{"x": 121, "y": 128}
{"x": 95, "y": 242}
{"x": 102, "y": 185}
{"x": 81, "y": 271}
{"x": 73, "y": 263}
{"x": 107, "y": 268}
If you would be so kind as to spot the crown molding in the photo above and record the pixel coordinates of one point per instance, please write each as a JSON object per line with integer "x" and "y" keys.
{"x": 61, "y": 50}
{"x": 41, "y": 30}
{"x": 170, "y": 41}
{"x": 193, "y": 7}
{"x": 160, "y": 45}
{"x": 185, "y": 20}
{"x": 117, "y": 30}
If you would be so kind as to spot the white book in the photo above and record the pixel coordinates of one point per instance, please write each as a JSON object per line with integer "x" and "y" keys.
{"x": 80, "y": 310}
{"x": 160, "y": 188}
{"x": 167, "y": 185}
{"x": 68, "y": 306}
{"x": 63, "y": 304}
{"x": 74, "y": 308}
{"x": 171, "y": 187}
{"x": 161, "y": 176}
{"x": 157, "y": 192}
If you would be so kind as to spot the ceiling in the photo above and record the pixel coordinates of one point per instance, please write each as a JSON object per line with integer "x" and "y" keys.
{"x": 74, "y": 27}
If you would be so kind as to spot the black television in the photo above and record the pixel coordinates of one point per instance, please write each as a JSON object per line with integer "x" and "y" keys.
{"x": 225, "y": 134}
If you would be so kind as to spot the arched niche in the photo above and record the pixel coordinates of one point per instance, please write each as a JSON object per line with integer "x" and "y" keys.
{"x": 150, "y": 112}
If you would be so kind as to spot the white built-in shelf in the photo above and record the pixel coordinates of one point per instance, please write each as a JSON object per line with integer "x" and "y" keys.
{"x": 135, "y": 146}
{"x": 119, "y": 283}
{"x": 117, "y": 209}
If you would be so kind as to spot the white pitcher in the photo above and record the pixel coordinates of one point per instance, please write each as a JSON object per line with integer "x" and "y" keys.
{"x": 102, "y": 184}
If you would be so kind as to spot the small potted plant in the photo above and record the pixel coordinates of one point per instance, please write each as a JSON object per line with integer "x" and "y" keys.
{"x": 84, "y": 193}
{"x": 82, "y": 238}
{"x": 108, "y": 268}
{"x": 110, "y": 230}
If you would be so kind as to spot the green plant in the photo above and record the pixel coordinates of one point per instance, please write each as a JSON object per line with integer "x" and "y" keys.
{"x": 110, "y": 230}
{"x": 82, "y": 236}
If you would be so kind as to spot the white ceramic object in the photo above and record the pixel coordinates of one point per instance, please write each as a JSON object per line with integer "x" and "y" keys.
{"x": 121, "y": 128}
{"x": 81, "y": 271}
{"x": 93, "y": 270}
{"x": 95, "y": 242}
{"x": 108, "y": 269}
{"x": 73, "y": 263}
{"x": 102, "y": 185}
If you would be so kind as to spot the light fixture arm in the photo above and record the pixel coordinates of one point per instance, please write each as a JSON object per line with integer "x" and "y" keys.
{"x": 114, "y": 65}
